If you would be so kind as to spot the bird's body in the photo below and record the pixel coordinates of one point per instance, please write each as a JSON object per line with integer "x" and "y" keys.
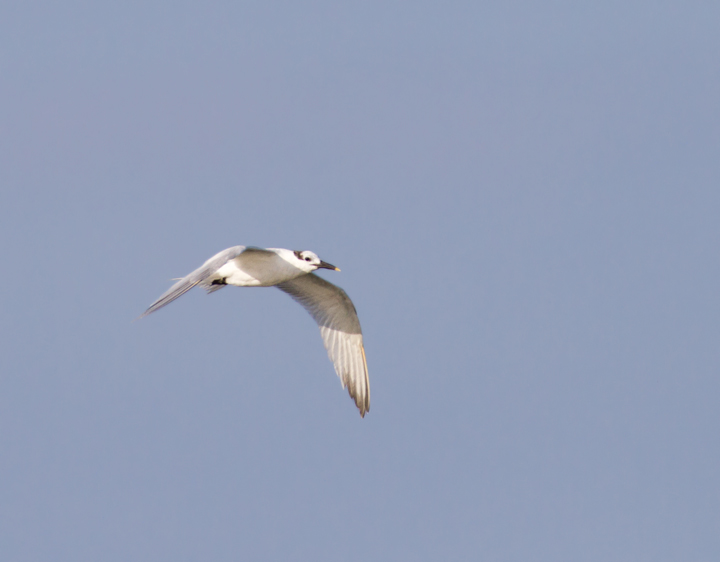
{"x": 259, "y": 268}
{"x": 292, "y": 272}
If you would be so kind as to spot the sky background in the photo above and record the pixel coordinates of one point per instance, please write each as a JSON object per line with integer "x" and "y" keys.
{"x": 524, "y": 200}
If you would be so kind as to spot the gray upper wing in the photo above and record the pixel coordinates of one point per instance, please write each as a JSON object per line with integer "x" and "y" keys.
{"x": 335, "y": 313}
{"x": 196, "y": 277}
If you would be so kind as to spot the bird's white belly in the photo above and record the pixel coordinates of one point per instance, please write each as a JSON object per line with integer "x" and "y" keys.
{"x": 236, "y": 276}
{"x": 257, "y": 270}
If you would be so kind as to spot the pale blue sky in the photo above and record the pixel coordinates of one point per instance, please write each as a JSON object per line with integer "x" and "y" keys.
{"x": 523, "y": 199}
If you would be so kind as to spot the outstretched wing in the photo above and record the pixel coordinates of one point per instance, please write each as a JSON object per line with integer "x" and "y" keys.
{"x": 334, "y": 312}
{"x": 196, "y": 277}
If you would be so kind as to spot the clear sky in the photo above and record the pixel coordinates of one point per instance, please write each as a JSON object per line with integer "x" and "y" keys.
{"x": 524, "y": 200}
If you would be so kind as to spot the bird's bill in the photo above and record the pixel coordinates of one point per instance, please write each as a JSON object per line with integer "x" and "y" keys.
{"x": 326, "y": 265}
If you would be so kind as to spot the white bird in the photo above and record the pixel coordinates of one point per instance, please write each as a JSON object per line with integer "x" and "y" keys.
{"x": 291, "y": 272}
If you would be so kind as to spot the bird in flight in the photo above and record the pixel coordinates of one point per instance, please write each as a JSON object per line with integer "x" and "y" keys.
{"x": 291, "y": 272}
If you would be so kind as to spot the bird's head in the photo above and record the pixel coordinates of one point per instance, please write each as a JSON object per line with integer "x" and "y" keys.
{"x": 309, "y": 261}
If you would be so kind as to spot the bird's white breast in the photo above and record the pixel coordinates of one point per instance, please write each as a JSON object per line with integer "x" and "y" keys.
{"x": 257, "y": 269}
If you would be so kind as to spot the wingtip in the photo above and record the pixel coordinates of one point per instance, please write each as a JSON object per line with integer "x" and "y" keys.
{"x": 366, "y": 405}
{"x": 363, "y": 404}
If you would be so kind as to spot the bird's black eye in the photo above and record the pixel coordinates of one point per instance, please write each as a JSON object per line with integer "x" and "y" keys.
{"x": 307, "y": 259}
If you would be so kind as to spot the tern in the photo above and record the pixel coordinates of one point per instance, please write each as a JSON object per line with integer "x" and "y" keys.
{"x": 291, "y": 272}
